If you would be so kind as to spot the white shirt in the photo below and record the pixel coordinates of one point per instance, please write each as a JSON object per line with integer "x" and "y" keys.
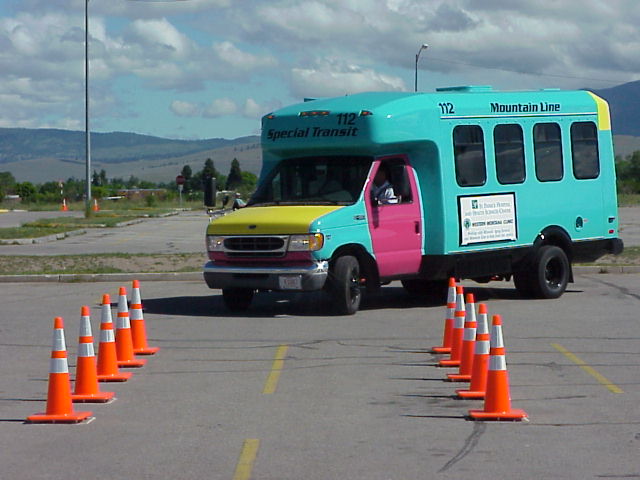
{"x": 384, "y": 193}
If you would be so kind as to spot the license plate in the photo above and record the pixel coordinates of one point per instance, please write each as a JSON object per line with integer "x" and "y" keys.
{"x": 290, "y": 282}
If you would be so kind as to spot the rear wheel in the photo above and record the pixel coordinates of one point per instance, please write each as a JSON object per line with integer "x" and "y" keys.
{"x": 551, "y": 271}
{"x": 344, "y": 285}
{"x": 237, "y": 299}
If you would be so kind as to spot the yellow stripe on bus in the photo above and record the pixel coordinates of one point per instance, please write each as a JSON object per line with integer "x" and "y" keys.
{"x": 604, "y": 120}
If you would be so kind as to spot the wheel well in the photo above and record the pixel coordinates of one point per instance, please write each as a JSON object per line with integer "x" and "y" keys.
{"x": 368, "y": 266}
{"x": 558, "y": 237}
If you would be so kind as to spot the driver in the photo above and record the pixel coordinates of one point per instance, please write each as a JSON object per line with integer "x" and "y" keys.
{"x": 382, "y": 189}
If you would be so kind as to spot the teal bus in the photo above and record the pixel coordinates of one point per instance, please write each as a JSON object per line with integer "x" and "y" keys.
{"x": 479, "y": 184}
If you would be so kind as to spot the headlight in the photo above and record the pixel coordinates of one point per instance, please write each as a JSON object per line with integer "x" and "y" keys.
{"x": 215, "y": 243}
{"x": 306, "y": 243}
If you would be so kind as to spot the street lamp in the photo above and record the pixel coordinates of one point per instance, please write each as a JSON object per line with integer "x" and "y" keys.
{"x": 424, "y": 46}
{"x": 87, "y": 138}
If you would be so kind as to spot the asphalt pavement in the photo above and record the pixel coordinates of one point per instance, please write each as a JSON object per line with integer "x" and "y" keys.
{"x": 182, "y": 233}
{"x": 352, "y": 397}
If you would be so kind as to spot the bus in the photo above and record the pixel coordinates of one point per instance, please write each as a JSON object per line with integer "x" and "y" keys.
{"x": 480, "y": 184}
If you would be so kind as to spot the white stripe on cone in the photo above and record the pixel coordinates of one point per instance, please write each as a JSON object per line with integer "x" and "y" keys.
{"x": 58, "y": 365}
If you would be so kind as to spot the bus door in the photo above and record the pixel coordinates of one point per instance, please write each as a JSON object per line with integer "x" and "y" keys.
{"x": 395, "y": 220}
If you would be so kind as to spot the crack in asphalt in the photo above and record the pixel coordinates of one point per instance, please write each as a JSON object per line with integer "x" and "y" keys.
{"x": 622, "y": 290}
{"x": 470, "y": 443}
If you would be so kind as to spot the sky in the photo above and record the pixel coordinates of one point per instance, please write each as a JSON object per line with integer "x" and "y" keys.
{"x": 194, "y": 69}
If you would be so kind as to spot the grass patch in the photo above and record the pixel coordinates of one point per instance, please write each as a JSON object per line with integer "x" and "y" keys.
{"x": 31, "y": 231}
{"x": 628, "y": 199}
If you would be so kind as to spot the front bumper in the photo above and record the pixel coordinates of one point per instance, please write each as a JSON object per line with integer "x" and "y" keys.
{"x": 307, "y": 278}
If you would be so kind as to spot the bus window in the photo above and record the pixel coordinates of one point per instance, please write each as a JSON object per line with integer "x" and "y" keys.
{"x": 468, "y": 148}
{"x": 548, "y": 151}
{"x": 584, "y": 150}
{"x": 509, "y": 152}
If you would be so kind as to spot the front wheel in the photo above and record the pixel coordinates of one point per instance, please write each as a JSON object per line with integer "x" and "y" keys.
{"x": 550, "y": 274}
{"x": 237, "y": 299}
{"x": 344, "y": 285}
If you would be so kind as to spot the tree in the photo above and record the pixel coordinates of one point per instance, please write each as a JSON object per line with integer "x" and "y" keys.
{"x": 7, "y": 182}
{"x": 209, "y": 169}
{"x": 186, "y": 172}
{"x": 234, "y": 179}
{"x": 27, "y": 191}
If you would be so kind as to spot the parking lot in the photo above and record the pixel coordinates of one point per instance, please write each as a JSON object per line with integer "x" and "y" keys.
{"x": 351, "y": 397}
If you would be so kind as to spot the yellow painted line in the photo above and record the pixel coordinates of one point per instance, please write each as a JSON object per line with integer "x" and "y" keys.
{"x": 278, "y": 363}
{"x": 246, "y": 460}
{"x": 612, "y": 387}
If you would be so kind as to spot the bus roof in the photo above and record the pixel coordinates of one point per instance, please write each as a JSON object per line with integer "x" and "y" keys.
{"x": 466, "y": 97}
{"x": 376, "y": 118}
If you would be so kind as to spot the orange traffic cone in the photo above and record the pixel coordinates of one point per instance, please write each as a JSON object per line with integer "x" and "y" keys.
{"x": 124, "y": 341}
{"x": 87, "y": 389}
{"x": 448, "y": 321}
{"x": 457, "y": 333}
{"x": 63, "y": 207}
{"x": 107, "y": 357}
{"x": 95, "y": 207}
{"x": 497, "y": 402}
{"x": 138, "y": 327}
{"x": 480, "y": 358}
{"x": 59, "y": 405}
{"x": 468, "y": 343}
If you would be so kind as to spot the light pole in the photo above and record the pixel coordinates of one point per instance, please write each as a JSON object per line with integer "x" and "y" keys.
{"x": 424, "y": 46}
{"x": 87, "y": 138}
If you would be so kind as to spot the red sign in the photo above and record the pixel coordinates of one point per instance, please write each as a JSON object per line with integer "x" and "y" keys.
{"x": 180, "y": 180}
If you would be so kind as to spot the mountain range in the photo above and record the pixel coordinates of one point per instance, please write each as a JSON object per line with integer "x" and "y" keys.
{"x": 40, "y": 155}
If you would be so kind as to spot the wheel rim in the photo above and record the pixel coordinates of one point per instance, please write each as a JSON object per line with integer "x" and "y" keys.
{"x": 354, "y": 286}
{"x": 554, "y": 273}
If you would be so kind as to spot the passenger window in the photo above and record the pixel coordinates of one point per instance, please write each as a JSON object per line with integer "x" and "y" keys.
{"x": 508, "y": 143}
{"x": 468, "y": 149}
{"x": 547, "y": 147}
{"x": 584, "y": 150}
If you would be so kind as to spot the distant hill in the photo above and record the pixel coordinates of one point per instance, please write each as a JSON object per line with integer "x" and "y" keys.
{"x": 40, "y": 155}
{"x": 624, "y": 103}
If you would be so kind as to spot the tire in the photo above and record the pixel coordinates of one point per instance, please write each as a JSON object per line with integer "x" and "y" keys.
{"x": 433, "y": 290}
{"x": 344, "y": 285}
{"x": 237, "y": 299}
{"x": 550, "y": 273}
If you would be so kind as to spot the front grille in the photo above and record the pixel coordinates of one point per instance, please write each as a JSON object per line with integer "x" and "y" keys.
{"x": 255, "y": 246}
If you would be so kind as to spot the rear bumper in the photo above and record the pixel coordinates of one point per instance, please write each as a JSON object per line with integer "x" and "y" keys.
{"x": 312, "y": 277}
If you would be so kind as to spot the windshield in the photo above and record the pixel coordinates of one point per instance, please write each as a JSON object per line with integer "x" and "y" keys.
{"x": 335, "y": 180}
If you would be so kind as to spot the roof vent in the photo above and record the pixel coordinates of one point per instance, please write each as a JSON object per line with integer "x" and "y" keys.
{"x": 466, "y": 88}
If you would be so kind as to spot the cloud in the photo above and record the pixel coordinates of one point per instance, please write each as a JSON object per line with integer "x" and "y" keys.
{"x": 161, "y": 35}
{"x": 253, "y": 109}
{"x": 185, "y": 109}
{"x": 220, "y": 107}
{"x": 233, "y": 56}
{"x": 330, "y": 79}
{"x": 286, "y": 49}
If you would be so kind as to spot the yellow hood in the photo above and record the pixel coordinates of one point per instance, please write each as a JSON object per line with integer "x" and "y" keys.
{"x": 277, "y": 220}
